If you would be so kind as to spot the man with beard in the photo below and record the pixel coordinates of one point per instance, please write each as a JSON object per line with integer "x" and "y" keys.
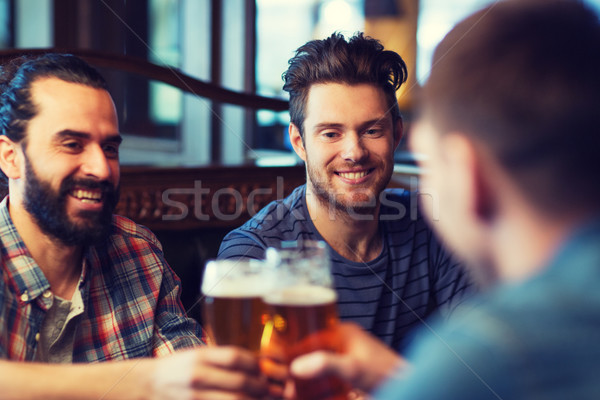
{"x": 389, "y": 271}
{"x": 77, "y": 283}
{"x": 510, "y": 125}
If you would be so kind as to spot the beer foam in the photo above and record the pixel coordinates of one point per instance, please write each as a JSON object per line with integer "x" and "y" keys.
{"x": 301, "y": 295}
{"x": 249, "y": 286}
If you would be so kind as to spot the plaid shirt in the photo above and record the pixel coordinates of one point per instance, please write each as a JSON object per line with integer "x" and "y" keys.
{"x": 130, "y": 296}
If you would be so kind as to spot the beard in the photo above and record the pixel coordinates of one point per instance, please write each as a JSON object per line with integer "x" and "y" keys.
{"x": 363, "y": 203}
{"x": 49, "y": 209}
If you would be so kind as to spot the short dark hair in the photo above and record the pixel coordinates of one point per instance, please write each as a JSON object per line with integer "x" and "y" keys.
{"x": 359, "y": 60}
{"x": 17, "y": 76}
{"x": 523, "y": 79}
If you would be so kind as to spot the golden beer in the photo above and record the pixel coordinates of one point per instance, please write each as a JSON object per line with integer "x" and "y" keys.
{"x": 234, "y": 312}
{"x": 303, "y": 319}
{"x": 235, "y": 321}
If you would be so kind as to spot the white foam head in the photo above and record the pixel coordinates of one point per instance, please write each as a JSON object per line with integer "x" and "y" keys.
{"x": 235, "y": 278}
{"x": 302, "y": 295}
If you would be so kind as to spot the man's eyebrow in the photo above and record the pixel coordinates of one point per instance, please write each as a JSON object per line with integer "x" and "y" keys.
{"x": 116, "y": 138}
{"x": 328, "y": 125}
{"x": 383, "y": 120}
{"x": 68, "y": 133}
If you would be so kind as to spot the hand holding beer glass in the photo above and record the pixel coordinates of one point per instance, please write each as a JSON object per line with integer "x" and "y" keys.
{"x": 303, "y": 314}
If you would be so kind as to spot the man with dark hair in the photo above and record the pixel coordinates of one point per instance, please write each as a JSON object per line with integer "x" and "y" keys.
{"x": 77, "y": 283}
{"x": 389, "y": 271}
{"x": 510, "y": 122}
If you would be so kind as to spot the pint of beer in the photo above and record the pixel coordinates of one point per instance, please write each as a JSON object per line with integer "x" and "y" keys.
{"x": 233, "y": 309}
{"x": 303, "y": 317}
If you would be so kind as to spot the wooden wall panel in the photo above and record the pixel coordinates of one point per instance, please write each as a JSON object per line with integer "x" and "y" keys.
{"x": 202, "y": 198}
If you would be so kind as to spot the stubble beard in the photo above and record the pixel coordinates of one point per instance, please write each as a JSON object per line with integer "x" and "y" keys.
{"x": 363, "y": 205}
{"x": 49, "y": 209}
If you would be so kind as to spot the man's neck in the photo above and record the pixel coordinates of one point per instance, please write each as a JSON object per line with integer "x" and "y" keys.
{"x": 60, "y": 264}
{"x": 526, "y": 244}
{"x": 355, "y": 237}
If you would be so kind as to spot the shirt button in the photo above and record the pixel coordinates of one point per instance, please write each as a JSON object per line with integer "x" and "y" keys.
{"x": 24, "y": 297}
{"x": 47, "y": 294}
{"x": 37, "y": 337}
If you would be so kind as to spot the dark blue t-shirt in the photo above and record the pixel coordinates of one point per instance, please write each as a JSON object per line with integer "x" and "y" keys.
{"x": 388, "y": 296}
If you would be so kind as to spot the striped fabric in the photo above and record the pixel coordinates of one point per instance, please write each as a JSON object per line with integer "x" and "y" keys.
{"x": 411, "y": 279}
{"x": 130, "y": 295}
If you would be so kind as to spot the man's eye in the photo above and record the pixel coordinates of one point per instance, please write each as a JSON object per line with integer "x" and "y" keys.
{"x": 111, "y": 150}
{"x": 330, "y": 134}
{"x": 72, "y": 145}
{"x": 373, "y": 132}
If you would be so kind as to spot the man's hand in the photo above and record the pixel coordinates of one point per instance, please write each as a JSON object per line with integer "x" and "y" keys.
{"x": 209, "y": 373}
{"x": 213, "y": 373}
{"x": 202, "y": 373}
{"x": 365, "y": 362}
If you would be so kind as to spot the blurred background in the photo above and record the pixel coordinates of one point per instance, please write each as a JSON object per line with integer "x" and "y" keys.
{"x": 242, "y": 45}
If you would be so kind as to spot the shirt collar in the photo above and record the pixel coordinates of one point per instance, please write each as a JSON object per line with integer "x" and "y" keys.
{"x": 25, "y": 276}
{"x": 584, "y": 237}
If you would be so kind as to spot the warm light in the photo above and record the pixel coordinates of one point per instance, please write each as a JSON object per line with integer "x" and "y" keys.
{"x": 340, "y": 16}
{"x": 336, "y": 13}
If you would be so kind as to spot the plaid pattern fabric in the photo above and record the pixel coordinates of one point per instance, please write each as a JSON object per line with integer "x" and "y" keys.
{"x": 130, "y": 295}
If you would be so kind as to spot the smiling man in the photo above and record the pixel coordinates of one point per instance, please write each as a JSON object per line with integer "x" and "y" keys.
{"x": 389, "y": 270}
{"x": 77, "y": 283}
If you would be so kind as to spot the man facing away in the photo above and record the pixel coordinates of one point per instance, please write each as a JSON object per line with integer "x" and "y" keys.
{"x": 510, "y": 123}
{"x": 389, "y": 271}
{"x": 77, "y": 283}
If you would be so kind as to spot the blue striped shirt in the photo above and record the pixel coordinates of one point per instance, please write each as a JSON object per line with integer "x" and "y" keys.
{"x": 412, "y": 278}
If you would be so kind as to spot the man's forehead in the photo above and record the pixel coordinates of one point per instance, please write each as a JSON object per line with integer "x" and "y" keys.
{"x": 332, "y": 102}
{"x": 60, "y": 105}
{"x": 51, "y": 87}
{"x": 56, "y": 95}
{"x": 46, "y": 84}
{"x": 323, "y": 87}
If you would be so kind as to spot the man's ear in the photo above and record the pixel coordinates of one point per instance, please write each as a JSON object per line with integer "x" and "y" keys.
{"x": 297, "y": 141}
{"x": 474, "y": 180}
{"x": 398, "y": 132}
{"x": 9, "y": 158}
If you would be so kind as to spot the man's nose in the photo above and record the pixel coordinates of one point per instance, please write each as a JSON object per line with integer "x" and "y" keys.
{"x": 96, "y": 164}
{"x": 354, "y": 149}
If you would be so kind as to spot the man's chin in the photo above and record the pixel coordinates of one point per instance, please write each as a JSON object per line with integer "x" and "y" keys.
{"x": 360, "y": 207}
{"x": 359, "y": 211}
{"x": 85, "y": 237}
{"x": 351, "y": 201}
{"x": 362, "y": 199}
{"x": 90, "y": 229}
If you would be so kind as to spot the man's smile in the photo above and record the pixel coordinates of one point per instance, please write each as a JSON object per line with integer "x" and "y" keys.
{"x": 353, "y": 175}
{"x": 87, "y": 196}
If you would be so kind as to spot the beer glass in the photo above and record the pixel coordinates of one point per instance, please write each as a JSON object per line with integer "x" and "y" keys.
{"x": 303, "y": 314}
{"x": 233, "y": 309}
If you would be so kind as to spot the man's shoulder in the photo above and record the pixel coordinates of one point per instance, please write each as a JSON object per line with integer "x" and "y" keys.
{"x": 279, "y": 215}
{"x": 130, "y": 250}
{"x": 284, "y": 219}
{"x": 126, "y": 229}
